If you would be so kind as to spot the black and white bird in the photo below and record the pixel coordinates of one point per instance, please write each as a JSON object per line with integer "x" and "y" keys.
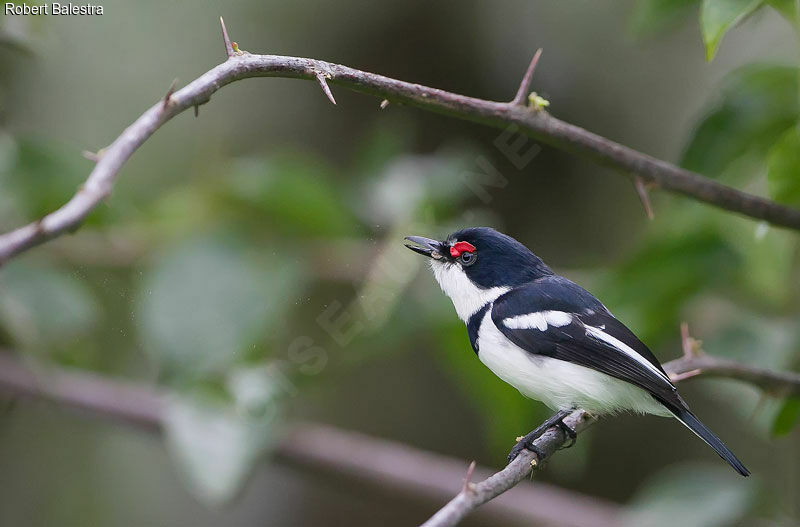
{"x": 550, "y": 338}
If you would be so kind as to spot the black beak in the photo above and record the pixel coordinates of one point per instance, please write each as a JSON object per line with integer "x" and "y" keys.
{"x": 425, "y": 246}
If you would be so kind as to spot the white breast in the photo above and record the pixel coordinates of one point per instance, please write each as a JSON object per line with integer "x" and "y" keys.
{"x": 466, "y": 296}
{"x": 558, "y": 384}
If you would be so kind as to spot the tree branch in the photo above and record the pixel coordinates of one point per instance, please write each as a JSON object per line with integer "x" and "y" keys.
{"x": 395, "y": 466}
{"x": 536, "y": 123}
{"x": 555, "y": 438}
{"x": 400, "y": 468}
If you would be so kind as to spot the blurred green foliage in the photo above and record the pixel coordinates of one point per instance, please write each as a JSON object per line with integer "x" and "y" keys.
{"x": 206, "y": 302}
{"x": 44, "y": 308}
{"x": 718, "y": 16}
{"x": 757, "y": 105}
{"x": 691, "y": 496}
{"x": 787, "y": 417}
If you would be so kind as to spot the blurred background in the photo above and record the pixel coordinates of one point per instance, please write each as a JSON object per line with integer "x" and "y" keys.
{"x": 249, "y": 263}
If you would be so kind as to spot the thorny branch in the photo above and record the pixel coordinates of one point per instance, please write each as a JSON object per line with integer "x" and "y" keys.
{"x": 535, "y": 122}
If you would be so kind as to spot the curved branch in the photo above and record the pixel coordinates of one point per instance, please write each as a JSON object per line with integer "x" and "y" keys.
{"x": 536, "y": 123}
{"x": 776, "y": 383}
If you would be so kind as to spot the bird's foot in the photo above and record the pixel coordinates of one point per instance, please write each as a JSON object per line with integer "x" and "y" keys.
{"x": 571, "y": 434}
{"x": 526, "y": 442}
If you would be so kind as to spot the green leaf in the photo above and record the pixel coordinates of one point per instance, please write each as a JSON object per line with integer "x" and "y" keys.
{"x": 215, "y": 443}
{"x": 784, "y": 168}
{"x": 206, "y": 301}
{"x": 787, "y": 417}
{"x": 765, "y": 256}
{"x": 787, "y": 9}
{"x": 46, "y": 175}
{"x": 718, "y": 16}
{"x": 691, "y": 496}
{"x": 43, "y": 307}
{"x": 298, "y": 195}
{"x": 758, "y": 104}
{"x": 653, "y": 16}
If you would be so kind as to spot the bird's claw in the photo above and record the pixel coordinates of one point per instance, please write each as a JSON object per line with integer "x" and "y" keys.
{"x": 571, "y": 434}
{"x": 523, "y": 444}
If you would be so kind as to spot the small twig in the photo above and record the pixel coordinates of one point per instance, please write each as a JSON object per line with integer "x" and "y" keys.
{"x": 677, "y": 377}
{"x": 641, "y": 189}
{"x": 689, "y": 345}
{"x": 323, "y": 83}
{"x": 226, "y": 39}
{"x": 521, "y": 98}
{"x": 196, "y": 110}
{"x": 168, "y": 96}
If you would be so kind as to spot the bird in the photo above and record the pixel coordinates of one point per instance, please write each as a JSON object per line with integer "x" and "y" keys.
{"x": 549, "y": 338}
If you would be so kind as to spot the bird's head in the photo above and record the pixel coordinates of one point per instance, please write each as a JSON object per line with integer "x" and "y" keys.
{"x": 476, "y": 265}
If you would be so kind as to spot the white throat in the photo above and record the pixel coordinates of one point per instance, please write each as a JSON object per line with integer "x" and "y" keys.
{"x": 466, "y": 296}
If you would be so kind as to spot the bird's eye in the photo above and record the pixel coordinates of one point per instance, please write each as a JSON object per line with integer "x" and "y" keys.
{"x": 467, "y": 258}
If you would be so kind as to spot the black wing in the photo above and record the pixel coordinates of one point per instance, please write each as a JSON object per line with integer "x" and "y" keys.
{"x": 555, "y": 317}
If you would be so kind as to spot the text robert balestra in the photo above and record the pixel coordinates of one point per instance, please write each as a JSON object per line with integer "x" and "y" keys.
{"x": 53, "y": 9}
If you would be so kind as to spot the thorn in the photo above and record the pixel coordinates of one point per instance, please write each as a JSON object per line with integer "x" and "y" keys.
{"x": 91, "y": 156}
{"x": 196, "y": 110}
{"x": 323, "y": 83}
{"x": 522, "y": 93}
{"x": 384, "y": 104}
{"x": 226, "y": 39}
{"x": 468, "y": 486}
{"x": 168, "y": 96}
{"x": 641, "y": 189}
{"x": 686, "y": 340}
{"x": 690, "y": 346}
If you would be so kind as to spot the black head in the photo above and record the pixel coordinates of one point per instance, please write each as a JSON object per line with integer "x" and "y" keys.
{"x": 487, "y": 257}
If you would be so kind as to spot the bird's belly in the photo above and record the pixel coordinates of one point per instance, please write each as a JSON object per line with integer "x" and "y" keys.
{"x": 559, "y": 384}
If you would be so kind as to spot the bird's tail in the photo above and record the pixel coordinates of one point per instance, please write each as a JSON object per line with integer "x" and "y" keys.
{"x": 685, "y": 416}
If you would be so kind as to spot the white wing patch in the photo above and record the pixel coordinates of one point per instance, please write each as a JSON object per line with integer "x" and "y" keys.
{"x": 539, "y": 320}
{"x": 599, "y": 334}
{"x": 559, "y": 384}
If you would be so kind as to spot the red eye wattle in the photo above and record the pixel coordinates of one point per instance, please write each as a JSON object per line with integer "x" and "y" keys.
{"x": 461, "y": 247}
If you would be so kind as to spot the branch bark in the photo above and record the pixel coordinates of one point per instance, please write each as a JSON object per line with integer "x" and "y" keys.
{"x": 538, "y": 124}
{"x": 385, "y": 463}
